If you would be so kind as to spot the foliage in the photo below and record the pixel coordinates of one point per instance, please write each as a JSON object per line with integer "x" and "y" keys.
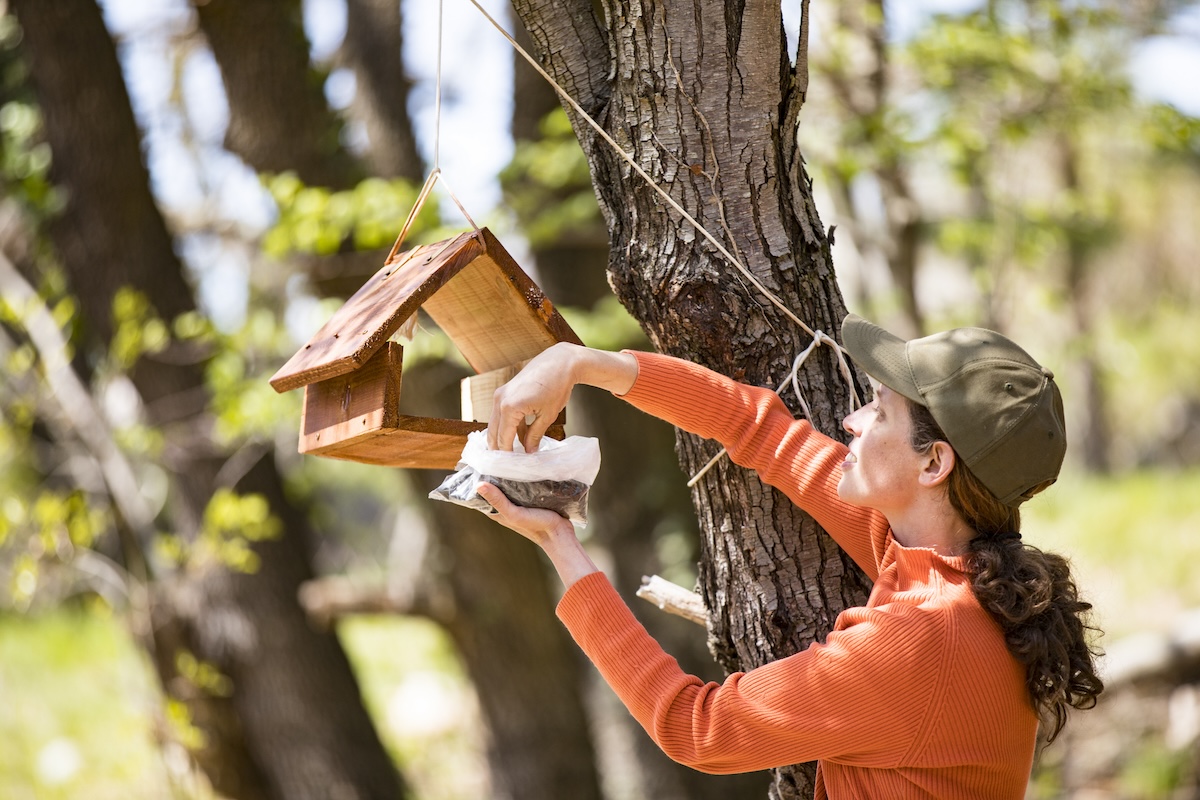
{"x": 24, "y": 157}
{"x": 232, "y": 524}
{"x": 316, "y": 220}
{"x": 549, "y": 187}
{"x": 1008, "y": 139}
{"x": 1155, "y": 771}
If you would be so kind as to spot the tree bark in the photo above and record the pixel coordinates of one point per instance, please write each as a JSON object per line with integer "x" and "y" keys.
{"x": 293, "y": 724}
{"x": 637, "y": 498}
{"x": 704, "y": 97}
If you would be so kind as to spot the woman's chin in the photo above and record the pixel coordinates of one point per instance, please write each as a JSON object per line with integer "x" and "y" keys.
{"x": 846, "y": 493}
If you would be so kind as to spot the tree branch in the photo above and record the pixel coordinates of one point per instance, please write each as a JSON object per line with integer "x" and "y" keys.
{"x": 673, "y": 599}
{"x": 327, "y": 600}
{"x": 79, "y": 409}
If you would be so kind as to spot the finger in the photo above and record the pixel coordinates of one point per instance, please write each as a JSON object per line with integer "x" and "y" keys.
{"x": 535, "y": 431}
{"x": 502, "y": 429}
{"x": 499, "y": 501}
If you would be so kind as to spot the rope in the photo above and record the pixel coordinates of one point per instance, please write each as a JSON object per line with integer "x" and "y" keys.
{"x": 818, "y": 336}
{"x": 437, "y": 95}
{"x": 435, "y": 174}
{"x": 793, "y": 377}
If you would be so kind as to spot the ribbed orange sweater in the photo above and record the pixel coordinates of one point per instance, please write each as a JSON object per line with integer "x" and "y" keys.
{"x": 913, "y": 696}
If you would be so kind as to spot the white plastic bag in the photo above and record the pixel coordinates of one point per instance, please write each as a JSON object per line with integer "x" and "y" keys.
{"x": 557, "y": 476}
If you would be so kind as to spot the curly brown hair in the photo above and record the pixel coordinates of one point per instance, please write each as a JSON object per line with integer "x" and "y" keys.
{"x": 1029, "y": 592}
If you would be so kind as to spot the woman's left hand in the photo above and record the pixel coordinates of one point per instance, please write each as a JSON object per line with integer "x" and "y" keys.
{"x": 538, "y": 525}
{"x": 549, "y": 531}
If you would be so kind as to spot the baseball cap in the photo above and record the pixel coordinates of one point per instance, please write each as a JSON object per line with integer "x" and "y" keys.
{"x": 1000, "y": 410}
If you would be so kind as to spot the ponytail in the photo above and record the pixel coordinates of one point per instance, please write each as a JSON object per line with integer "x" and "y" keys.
{"x": 1030, "y": 593}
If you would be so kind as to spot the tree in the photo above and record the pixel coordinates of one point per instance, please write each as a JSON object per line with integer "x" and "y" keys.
{"x": 288, "y": 719}
{"x": 706, "y": 99}
{"x": 642, "y": 511}
{"x": 489, "y": 593}
{"x": 1021, "y": 121}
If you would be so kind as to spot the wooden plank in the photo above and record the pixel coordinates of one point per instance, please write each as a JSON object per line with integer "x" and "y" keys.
{"x": 366, "y": 399}
{"x": 494, "y": 313}
{"x": 417, "y": 443}
{"x": 359, "y": 328}
{"x": 477, "y": 391}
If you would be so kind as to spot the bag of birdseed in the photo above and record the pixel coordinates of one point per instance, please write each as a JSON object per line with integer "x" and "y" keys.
{"x": 557, "y": 476}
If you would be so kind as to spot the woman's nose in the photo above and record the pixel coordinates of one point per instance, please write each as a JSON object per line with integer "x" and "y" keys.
{"x": 848, "y": 424}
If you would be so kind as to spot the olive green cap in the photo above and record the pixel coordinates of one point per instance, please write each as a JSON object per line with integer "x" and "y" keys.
{"x": 1000, "y": 410}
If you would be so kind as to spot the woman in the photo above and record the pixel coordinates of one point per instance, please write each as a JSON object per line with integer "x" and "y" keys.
{"x": 933, "y": 689}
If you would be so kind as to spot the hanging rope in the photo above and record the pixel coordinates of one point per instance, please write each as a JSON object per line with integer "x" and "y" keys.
{"x": 435, "y": 174}
{"x": 818, "y": 337}
{"x": 793, "y": 377}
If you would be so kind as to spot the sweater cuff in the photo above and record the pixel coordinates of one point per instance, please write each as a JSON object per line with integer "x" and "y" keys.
{"x": 593, "y": 611}
{"x": 655, "y": 380}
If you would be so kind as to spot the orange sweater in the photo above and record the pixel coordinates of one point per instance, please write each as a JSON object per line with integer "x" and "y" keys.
{"x": 913, "y": 696}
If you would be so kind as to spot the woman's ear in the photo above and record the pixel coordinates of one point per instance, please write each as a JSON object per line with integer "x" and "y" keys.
{"x": 939, "y": 462}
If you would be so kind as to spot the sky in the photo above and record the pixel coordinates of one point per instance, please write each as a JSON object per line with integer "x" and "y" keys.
{"x": 197, "y": 177}
{"x": 475, "y": 111}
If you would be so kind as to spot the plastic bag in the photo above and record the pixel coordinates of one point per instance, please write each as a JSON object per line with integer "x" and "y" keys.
{"x": 557, "y": 476}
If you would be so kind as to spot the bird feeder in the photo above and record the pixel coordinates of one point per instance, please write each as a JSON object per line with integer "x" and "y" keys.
{"x": 350, "y": 370}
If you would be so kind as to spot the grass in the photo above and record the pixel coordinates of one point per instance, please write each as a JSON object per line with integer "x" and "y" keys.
{"x": 75, "y": 711}
{"x": 77, "y": 698}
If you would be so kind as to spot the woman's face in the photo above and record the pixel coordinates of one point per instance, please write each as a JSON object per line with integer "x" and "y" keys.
{"x": 882, "y": 468}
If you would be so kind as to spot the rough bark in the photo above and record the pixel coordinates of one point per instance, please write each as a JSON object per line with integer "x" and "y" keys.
{"x": 639, "y": 488}
{"x": 704, "y": 97}
{"x": 293, "y": 725}
{"x": 278, "y": 117}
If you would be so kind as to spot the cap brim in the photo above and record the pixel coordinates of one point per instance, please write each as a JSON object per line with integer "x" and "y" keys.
{"x": 882, "y": 355}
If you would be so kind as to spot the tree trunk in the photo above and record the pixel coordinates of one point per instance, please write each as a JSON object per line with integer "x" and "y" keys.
{"x": 278, "y": 117}
{"x": 637, "y": 497}
{"x": 372, "y": 51}
{"x": 1093, "y": 434}
{"x": 500, "y": 616}
{"x": 704, "y": 97}
{"x": 293, "y": 724}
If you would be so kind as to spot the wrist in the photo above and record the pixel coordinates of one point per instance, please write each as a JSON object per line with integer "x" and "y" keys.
{"x": 559, "y": 535}
{"x": 604, "y": 369}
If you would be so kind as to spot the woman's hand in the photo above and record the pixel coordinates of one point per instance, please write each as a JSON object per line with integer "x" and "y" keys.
{"x": 528, "y": 404}
{"x": 538, "y": 525}
{"x": 554, "y": 534}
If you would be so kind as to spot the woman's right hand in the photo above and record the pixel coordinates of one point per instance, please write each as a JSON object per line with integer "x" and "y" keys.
{"x": 528, "y": 404}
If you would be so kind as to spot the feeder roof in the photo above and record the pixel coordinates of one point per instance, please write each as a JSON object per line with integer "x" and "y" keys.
{"x": 491, "y": 310}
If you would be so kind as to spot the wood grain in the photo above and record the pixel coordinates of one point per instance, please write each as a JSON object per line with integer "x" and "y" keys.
{"x": 492, "y": 311}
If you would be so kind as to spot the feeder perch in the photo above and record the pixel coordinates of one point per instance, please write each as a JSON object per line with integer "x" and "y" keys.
{"x": 350, "y": 370}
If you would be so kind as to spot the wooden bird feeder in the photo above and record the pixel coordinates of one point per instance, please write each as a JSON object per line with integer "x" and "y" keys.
{"x": 350, "y": 370}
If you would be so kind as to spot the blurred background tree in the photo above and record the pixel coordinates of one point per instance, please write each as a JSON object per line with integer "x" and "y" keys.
{"x": 992, "y": 164}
